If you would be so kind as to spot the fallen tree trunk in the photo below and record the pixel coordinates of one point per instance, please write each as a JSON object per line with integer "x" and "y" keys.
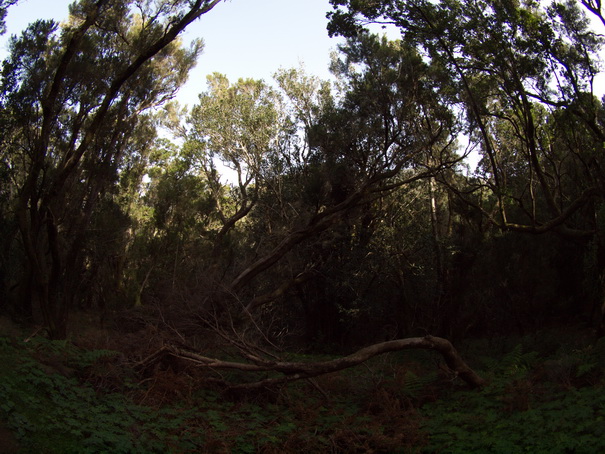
{"x": 293, "y": 371}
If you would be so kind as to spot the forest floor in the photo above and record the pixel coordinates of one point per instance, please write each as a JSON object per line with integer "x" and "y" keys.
{"x": 545, "y": 394}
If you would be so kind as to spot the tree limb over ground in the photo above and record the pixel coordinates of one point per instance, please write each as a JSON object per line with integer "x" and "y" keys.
{"x": 292, "y": 371}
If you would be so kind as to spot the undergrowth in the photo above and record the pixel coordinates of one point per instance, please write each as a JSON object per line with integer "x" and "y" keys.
{"x": 54, "y": 413}
{"x": 57, "y": 398}
{"x": 531, "y": 405}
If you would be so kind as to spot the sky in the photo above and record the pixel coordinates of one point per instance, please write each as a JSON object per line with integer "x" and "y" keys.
{"x": 243, "y": 38}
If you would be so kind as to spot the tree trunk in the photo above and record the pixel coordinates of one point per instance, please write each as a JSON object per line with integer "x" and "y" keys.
{"x": 293, "y": 371}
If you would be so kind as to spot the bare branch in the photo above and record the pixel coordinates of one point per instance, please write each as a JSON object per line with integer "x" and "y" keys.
{"x": 293, "y": 371}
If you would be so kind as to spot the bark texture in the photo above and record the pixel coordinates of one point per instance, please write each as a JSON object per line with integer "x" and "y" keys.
{"x": 292, "y": 371}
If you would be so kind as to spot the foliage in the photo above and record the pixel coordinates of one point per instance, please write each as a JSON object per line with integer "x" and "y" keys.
{"x": 516, "y": 70}
{"x": 531, "y": 405}
{"x": 54, "y": 413}
{"x": 348, "y": 217}
{"x": 535, "y": 402}
{"x": 71, "y": 131}
{"x": 538, "y": 402}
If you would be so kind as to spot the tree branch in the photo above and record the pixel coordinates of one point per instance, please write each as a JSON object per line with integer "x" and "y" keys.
{"x": 198, "y": 9}
{"x": 293, "y": 371}
{"x": 280, "y": 291}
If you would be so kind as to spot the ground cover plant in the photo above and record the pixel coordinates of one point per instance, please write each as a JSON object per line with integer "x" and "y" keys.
{"x": 60, "y": 398}
{"x": 534, "y": 403}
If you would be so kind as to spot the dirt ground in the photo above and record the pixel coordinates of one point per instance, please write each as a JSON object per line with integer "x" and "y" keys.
{"x": 8, "y": 442}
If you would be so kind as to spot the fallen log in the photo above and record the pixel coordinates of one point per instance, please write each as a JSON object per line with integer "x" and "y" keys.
{"x": 293, "y": 371}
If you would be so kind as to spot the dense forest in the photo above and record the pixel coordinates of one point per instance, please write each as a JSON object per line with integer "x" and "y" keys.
{"x": 287, "y": 265}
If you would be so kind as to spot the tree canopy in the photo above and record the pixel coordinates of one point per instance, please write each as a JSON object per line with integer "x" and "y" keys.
{"x": 297, "y": 211}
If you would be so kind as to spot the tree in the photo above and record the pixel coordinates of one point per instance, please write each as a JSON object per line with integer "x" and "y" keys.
{"x": 388, "y": 131}
{"x": 68, "y": 126}
{"x": 239, "y": 126}
{"x": 512, "y": 65}
{"x": 522, "y": 74}
{"x": 4, "y": 5}
{"x": 308, "y": 168}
